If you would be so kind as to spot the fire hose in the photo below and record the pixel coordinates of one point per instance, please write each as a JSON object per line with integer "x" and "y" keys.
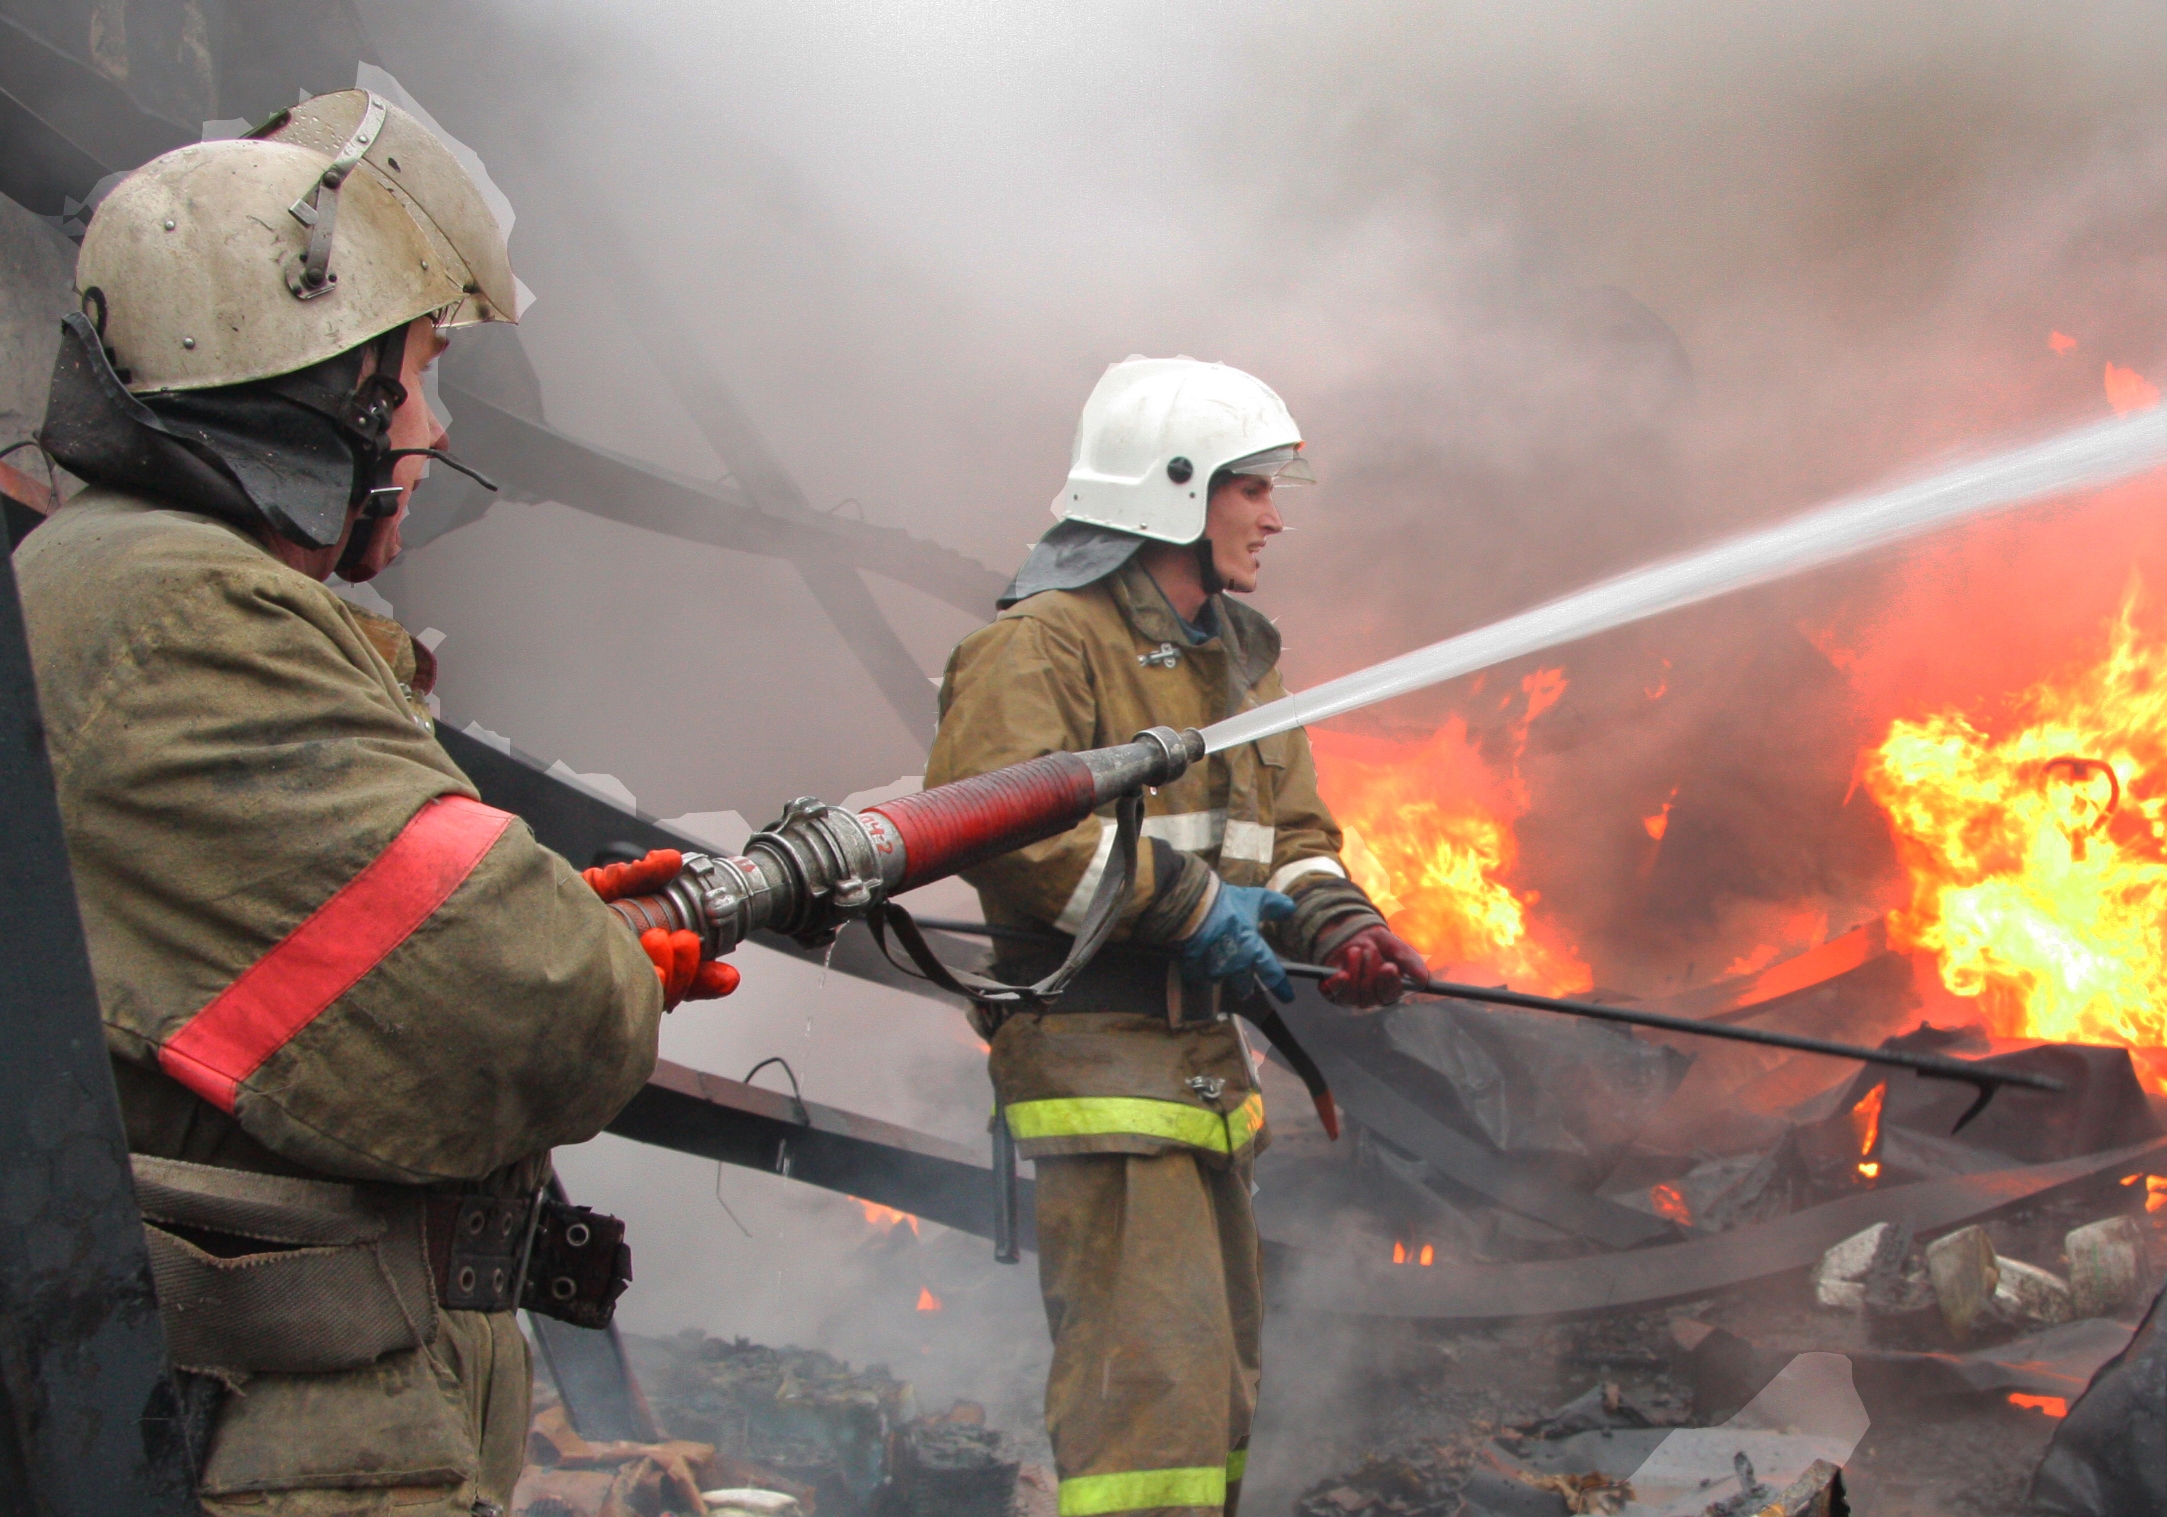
{"x": 820, "y": 866}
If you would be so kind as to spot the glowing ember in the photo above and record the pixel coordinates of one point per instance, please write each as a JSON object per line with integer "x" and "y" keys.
{"x": 927, "y": 1301}
{"x": 2053, "y": 1406}
{"x": 2128, "y": 391}
{"x": 1429, "y": 835}
{"x": 1866, "y": 1125}
{"x": 1669, "y": 1202}
{"x": 1658, "y": 823}
{"x": 2155, "y": 1190}
{"x": 1428, "y": 1256}
{"x": 884, "y": 1217}
{"x": 2038, "y": 854}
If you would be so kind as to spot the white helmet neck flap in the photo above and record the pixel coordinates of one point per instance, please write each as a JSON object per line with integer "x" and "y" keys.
{"x": 1154, "y": 433}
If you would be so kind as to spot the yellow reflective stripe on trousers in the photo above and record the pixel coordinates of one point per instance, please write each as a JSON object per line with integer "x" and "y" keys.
{"x": 1140, "y": 1490}
{"x": 1134, "y": 1116}
{"x": 1237, "y": 1465}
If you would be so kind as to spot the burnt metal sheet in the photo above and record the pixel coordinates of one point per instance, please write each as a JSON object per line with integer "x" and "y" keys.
{"x": 1651, "y": 1276}
{"x": 713, "y": 1118}
{"x": 2109, "y": 1456}
{"x": 1529, "y": 1188}
{"x": 89, "y": 1419}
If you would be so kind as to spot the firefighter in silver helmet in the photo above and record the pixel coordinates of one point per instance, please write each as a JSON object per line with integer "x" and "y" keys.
{"x": 350, "y": 1008}
{"x": 1136, "y": 1095}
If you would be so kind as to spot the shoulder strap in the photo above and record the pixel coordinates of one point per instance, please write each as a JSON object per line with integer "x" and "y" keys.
{"x": 1114, "y": 888}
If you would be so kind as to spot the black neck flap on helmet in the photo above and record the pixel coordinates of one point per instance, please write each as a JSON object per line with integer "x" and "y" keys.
{"x": 1071, "y": 555}
{"x": 294, "y": 453}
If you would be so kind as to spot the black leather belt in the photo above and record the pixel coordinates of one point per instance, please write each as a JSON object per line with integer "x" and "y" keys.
{"x": 498, "y": 1253}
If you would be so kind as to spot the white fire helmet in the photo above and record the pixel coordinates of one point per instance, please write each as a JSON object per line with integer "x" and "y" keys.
{"x": 1157, "y": 430}
{"x": 226, "y": 262}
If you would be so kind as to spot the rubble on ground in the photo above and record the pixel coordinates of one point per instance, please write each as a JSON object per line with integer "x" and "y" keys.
{"x": 764, "y": 1432}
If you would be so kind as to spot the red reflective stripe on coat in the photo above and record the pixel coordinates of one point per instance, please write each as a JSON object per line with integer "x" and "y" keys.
{"x": 320, "y": 960}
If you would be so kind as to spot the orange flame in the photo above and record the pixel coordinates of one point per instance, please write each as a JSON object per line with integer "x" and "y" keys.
{"x": 1429, "y": 835}
{"x": 1669, "y": 1202}
{"x": 2060, "y": 342}
{"x": 1428, "y": 1256}
{"x": 2038, "y": 856}
{"x": 2155, "y": 1193}
{"x": 927, "y": 1301}
{"x": 1658, "y": 822}
{"x": 2053, "y": 1406}
{"x": 2128, "y": 390}
{"x": 1866, "y": 1124}
{"x": 1399, "y": 1252}
{"x": 884, "y": 1217}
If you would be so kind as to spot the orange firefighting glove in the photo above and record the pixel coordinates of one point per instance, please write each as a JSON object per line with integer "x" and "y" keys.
{"x": 1375, "y": 968}
{"x": 675, "y": 955}
{"x": 684, "y": 975}
{"x": 613, "y": 882}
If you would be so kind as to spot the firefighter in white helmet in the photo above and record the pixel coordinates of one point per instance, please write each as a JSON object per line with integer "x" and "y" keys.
{"x": 1136, "y": 1095}
{"x": 350, "y": 1008}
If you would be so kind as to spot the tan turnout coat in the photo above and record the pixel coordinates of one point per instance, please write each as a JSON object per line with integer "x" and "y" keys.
{"x": 232, "y": 755}
{"x": 1077, "y": 669}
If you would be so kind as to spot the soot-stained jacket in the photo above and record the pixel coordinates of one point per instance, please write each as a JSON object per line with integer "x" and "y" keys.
{"x": 316, "y": 951}
{"x": 1122, "y": 1066}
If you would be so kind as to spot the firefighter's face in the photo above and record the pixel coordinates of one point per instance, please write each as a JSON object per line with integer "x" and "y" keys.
{"x": 1240, "y": 518}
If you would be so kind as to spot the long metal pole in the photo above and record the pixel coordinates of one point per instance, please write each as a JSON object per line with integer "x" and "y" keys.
{"x": 1932, "y": 1066}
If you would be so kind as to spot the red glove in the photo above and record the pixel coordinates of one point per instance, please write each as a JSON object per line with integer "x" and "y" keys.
{"x": 613, "y": 882}
{"x": 684, "y": 975}
{"x": 1374, "y": 967}
{"x": 676, "y": 955}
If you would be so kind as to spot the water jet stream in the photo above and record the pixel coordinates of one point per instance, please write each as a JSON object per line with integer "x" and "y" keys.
{"x": 2085, "y": 459}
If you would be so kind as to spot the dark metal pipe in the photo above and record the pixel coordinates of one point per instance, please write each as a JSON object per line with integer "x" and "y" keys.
{"x": 1928, "y": 1065}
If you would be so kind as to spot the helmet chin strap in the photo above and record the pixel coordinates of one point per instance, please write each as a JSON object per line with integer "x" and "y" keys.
{"x": 1207, "y": 567}
{"x": 376, "y": 400}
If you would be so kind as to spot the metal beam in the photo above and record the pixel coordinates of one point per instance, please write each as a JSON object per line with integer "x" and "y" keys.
{"x": 89, "y": 1420}
{"x": 757, "y": 1128}
{"x": 540, "y": 463}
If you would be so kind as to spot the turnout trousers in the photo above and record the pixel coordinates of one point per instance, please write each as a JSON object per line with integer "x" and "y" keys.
{"x": 1154, "y": 1293}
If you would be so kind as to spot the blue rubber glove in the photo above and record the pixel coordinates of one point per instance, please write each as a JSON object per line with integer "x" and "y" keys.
{"x": 1229, "y": 946}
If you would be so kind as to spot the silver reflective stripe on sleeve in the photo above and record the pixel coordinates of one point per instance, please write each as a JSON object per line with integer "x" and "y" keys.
{"x": 1247, "y": 840}
{"x": 1190, "y": 831}
{"x": 1288, "y": 874}
{"x": 1072, "y": 915}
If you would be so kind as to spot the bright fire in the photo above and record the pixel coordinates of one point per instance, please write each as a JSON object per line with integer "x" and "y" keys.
{"x": 1669, "y": 1202}
{"x": 2053, "y": 1406}
{"x": 1866, "y": 1126}
{"x": 1425, "y": 1256}
{"x": 885, "y": 1217}
{"x": 1429, "y": 834}
{"x": 927, "y": 1301}
{"x": 2038, "y": 854}
{"x": 2155, "y": 1190}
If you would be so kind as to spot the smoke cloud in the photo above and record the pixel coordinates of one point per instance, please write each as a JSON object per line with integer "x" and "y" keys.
{"x": 1552, "y": 289}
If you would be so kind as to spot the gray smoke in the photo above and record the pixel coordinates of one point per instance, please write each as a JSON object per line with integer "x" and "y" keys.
{"x": 1552, "y": 289}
